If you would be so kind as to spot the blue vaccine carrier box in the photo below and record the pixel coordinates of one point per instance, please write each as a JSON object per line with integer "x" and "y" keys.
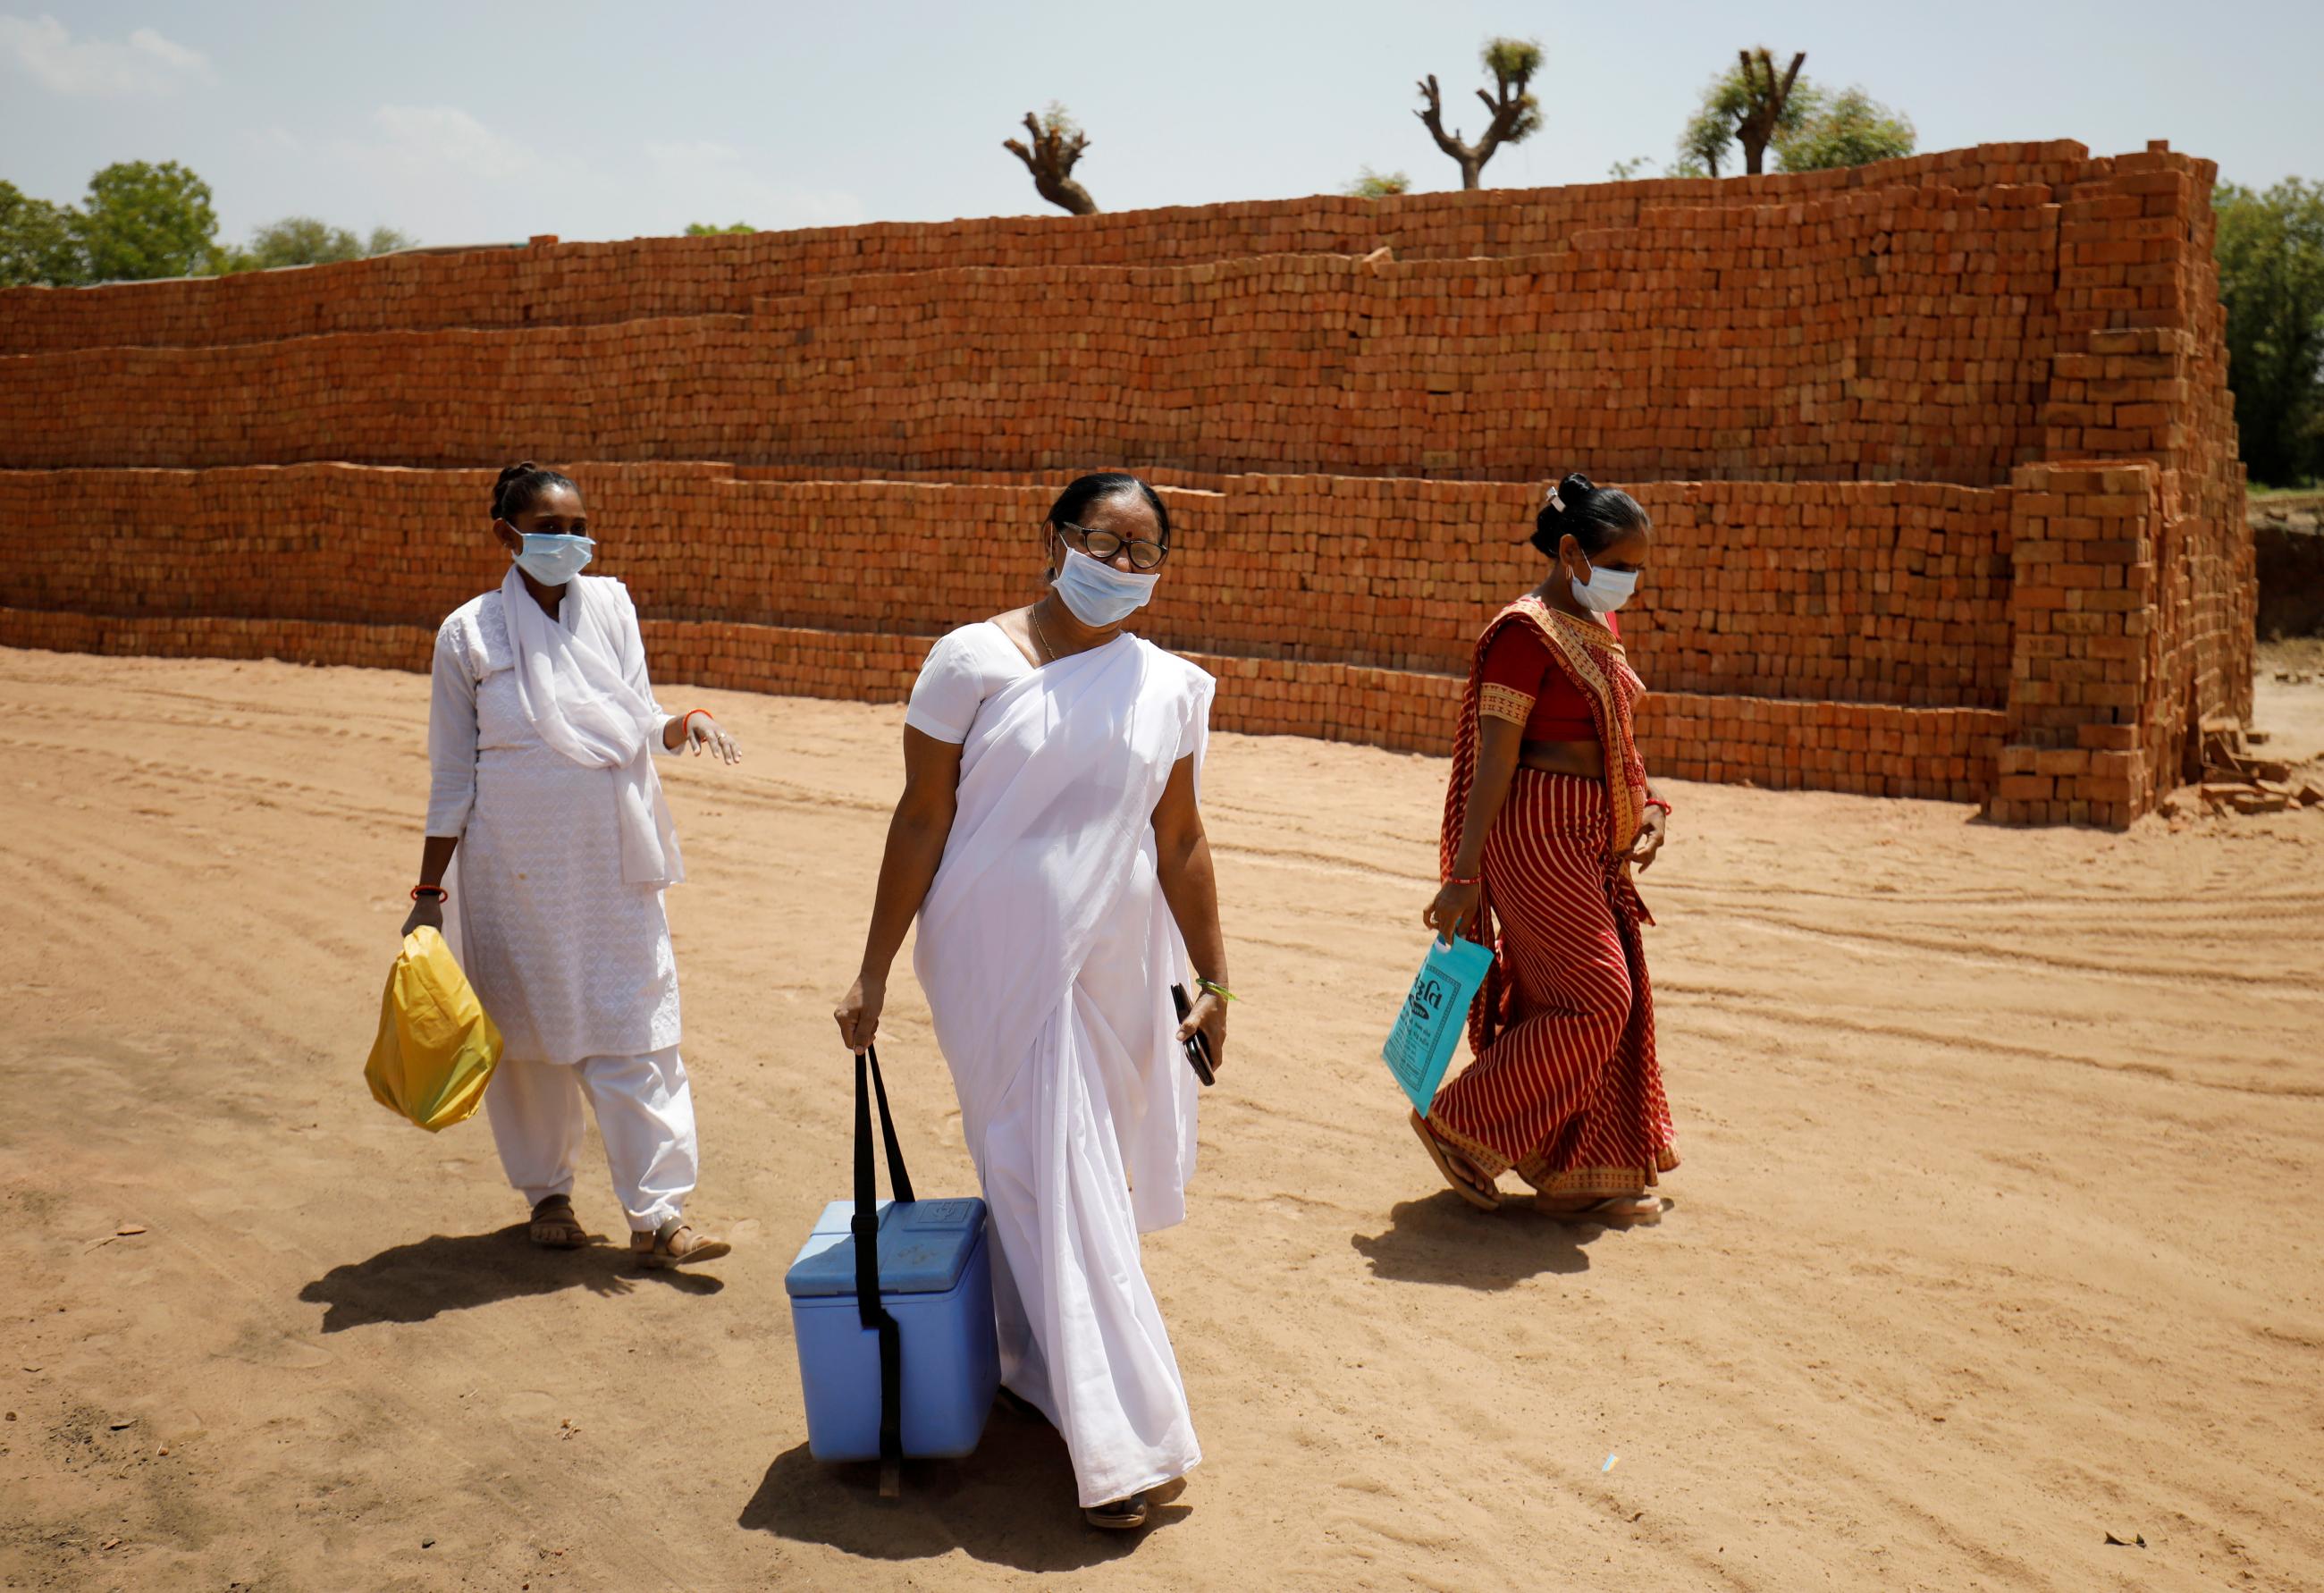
{"x": 935, "y": 1279}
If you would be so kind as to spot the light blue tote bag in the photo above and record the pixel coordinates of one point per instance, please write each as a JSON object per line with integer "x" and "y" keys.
{"x": 1420, "y": 1048}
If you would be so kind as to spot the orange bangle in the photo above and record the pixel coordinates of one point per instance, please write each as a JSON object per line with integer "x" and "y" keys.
{"x": 437, "y": 891}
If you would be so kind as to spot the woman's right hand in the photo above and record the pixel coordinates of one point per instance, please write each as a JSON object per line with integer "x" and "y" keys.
{"x": 428, "y": 910}
{"x": 1454, "y": 906}
{"x": 859, "y": 1012}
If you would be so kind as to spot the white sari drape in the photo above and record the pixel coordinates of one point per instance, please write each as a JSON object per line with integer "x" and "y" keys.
{"x": 568, "y": 678}
{"x": 1047, "y": 954}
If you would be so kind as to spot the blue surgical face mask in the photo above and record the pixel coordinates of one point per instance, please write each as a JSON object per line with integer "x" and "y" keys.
{"x": 1099, "y": 595}
{"x": 1606, "y": 590}
{"x": 553, "y": 559}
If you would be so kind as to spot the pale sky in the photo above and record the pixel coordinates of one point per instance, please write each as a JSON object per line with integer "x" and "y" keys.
{"x": 478, "y": 121}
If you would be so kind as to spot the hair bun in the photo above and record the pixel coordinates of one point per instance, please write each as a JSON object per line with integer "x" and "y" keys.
{"x": 509, "y": 473}
{"x": 1569, "y": 494}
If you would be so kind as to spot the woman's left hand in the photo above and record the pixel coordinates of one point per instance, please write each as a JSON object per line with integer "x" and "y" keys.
{"x": 1651, "y": 834}
{"x": 701, "y": 731}
{"x": 1208, "y": 1014}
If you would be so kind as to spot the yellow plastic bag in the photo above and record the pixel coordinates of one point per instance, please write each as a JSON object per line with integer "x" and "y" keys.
{"x": 437, "y": 1047}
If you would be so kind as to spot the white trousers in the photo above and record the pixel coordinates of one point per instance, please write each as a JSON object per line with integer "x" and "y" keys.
{"x": 645, "y": 1116}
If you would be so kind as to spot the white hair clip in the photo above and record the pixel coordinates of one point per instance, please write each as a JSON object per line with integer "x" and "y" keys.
{"x": 1555, "y": 501}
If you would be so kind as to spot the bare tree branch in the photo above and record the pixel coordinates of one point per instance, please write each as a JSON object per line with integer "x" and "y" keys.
{"x": 1514, "y": 112}
{"x": 1057, "y": 146}
{"x": 1756, "y": 129}
{"x": 1433, "y": 118}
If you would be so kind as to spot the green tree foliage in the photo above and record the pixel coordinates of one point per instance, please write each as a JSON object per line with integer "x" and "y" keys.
{"x": 711, "y": 229}
{"x": 301, "y": 240}
{"x": 1850, "y": 129}
{"x": 142, "y": 221}
{"x": 37, "y": 242}
{"x": 1810, "y": 128}
{"x": 1378, "y": 185}
{"x": 2270, "y": 254}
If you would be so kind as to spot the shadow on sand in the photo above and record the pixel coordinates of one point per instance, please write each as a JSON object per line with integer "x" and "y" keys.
{"x": 416, "y": 1281}
{"x": 1011, "y": 1504}
{"x": 1443, "y": 1239}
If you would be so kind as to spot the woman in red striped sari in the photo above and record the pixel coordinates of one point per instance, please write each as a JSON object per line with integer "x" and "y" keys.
{"x": 1547, "y": 813}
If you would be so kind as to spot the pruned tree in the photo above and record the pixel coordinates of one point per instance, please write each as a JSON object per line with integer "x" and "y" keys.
{"x": 1515, "y": 114}
{"x": 1766, "y": 98}
{"x": 1057, "y": 146}
{"x": 1748, "y": 102}
{"x": 1378, "y": 185}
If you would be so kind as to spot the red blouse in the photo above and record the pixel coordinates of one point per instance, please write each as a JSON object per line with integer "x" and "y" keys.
{"x": 1524, "y": 685}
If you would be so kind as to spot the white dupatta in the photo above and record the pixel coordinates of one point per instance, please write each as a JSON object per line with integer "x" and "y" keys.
{"x": 570, "y": 683}
{"x": 1051, "y": 855}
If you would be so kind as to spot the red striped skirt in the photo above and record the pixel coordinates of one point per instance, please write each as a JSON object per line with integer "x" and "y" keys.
{"x": 1567, "y": 1092}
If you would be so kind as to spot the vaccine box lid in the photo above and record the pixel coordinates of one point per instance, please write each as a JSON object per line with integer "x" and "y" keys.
{"x": 924, "y": 1246}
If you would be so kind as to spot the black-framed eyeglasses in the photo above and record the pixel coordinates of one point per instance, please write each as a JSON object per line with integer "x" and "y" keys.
{"x": 1102, "y": 545}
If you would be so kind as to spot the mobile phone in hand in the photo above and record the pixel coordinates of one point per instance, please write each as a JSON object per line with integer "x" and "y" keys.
{"x": 1198, "y": 1043}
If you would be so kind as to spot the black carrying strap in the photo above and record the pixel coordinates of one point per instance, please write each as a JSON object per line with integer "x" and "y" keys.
{"x": 866, "y": 1226}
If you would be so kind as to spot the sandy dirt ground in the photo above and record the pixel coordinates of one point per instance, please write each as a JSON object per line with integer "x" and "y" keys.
{"x": 1998, "y": 1230}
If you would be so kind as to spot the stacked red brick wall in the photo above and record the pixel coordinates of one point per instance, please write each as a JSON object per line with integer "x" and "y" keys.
{"x": 1940, "y": 453}
{"x": 1860, "y": 592}
{"x": 1912, "y": 343}
{"x": 582, "y": 284}
{"x": 1868, "y": 749}
{"x": 2136, "y": 586}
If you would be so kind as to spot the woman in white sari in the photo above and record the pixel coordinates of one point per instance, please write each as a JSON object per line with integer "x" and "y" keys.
{"x": 540, "y": 734}
{"x": 1049, "y": 841}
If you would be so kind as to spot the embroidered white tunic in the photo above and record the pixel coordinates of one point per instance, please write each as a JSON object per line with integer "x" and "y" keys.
{"x": 1047, "y": 954}
{"x": 571, "y": 959}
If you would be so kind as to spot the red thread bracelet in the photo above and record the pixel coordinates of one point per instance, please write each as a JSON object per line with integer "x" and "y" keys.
{"x": 441, "y": 894}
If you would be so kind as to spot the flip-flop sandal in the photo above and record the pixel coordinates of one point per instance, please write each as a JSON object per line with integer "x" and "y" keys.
{"x": 1442, "y": 1154}
{"x": 675, "y": 1244}
{"x": 554, "y": 1227}
{"x": 1121, "y": 1515}
{"x": 1637, "y": 1211}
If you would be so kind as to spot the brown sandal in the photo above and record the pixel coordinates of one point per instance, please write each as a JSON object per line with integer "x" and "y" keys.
{"x": 1638, "y": 1209}
{"x": 1120, "y": 1515}
{"x": 1447, "y": 1159}
{"x": 554, "y": 1227}
{"x": 675, "y": 1244}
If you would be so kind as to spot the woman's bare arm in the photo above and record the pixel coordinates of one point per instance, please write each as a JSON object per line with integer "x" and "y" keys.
{"x": 1498, "y": 742}
{"x": 916, "y": 845}
{"x": 1182, "y": 860}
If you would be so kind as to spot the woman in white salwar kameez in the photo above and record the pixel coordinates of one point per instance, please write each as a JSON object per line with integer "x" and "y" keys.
{"x": 1049, "y": 841}
{"x": 540, "y": 736}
